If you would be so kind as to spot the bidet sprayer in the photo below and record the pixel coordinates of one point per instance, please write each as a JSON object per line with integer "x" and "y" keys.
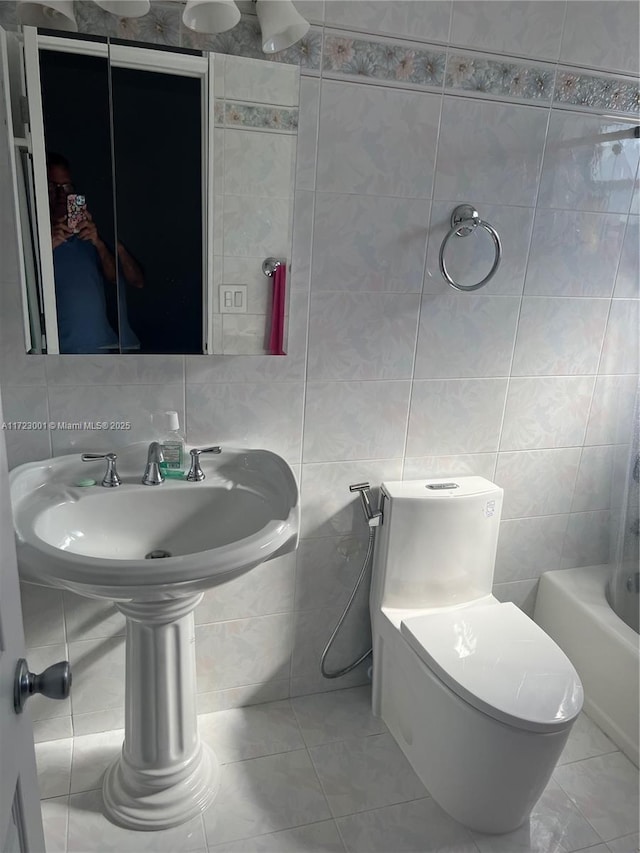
{"x": 374, "y": 519}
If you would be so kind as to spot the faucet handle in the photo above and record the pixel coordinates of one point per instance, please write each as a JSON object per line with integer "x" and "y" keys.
{"x": 111, "y": 477}
{"x": 196, "y": 474}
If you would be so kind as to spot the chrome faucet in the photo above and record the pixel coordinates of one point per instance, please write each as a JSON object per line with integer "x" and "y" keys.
{"x": 153, "y": 475}
{"x": 111, "y": 477}
{"x": 196, "y": 474}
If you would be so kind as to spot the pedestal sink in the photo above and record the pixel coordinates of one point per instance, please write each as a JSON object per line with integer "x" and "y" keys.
{"x": 104, "y": 543}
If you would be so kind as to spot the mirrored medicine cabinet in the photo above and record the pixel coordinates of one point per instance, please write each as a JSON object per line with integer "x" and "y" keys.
{"x": 150, "y": 187}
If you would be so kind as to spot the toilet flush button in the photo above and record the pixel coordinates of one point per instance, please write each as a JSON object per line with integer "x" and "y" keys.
{"x": 443, "y": 486}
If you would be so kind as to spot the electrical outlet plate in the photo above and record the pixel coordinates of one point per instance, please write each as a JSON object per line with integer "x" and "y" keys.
{"x": 233, "y": 298}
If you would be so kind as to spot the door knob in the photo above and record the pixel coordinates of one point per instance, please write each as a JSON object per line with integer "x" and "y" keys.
{"x": 54, "y": 682}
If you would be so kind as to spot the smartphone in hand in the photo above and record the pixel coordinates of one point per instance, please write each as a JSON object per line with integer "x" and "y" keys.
{"x": 76, "y": 211}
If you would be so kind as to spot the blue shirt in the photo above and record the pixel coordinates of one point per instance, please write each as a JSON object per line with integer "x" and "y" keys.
{"x": 81, "y": 304}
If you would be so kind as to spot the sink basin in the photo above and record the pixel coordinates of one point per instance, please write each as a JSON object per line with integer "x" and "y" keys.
{"x": 153, "y": 549}
{"x": 96, "y": 540}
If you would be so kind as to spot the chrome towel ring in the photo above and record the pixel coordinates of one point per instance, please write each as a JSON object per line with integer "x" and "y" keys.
{"x": 464, "y": 221}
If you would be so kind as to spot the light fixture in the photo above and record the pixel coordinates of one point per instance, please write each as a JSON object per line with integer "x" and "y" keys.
{"x": 281, "y": 24}
{"x": 125, "y": 8}
{"x": 50, "y": 14}
{"x": 210, "y": 16}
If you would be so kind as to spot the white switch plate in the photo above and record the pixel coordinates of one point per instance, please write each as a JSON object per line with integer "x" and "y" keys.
{"x": 233, "y": 298}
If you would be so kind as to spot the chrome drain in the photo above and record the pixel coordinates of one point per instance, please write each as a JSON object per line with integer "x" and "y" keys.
{"x": 159, "y": 554}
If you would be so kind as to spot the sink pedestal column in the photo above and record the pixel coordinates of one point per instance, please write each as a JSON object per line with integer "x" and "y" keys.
{"x": 165, "y": 774}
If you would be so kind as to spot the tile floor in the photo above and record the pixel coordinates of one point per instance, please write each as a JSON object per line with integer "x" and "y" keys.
{"x": 320, "y": 773}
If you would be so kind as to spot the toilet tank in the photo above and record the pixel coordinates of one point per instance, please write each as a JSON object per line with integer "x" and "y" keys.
{"x": 437, "y": 543}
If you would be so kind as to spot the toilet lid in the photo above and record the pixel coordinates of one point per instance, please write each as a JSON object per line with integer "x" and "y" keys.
{"x": 498, "y": 660}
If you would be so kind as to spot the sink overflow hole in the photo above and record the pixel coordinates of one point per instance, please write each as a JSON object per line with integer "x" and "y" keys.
{"x": 157, "y": 555}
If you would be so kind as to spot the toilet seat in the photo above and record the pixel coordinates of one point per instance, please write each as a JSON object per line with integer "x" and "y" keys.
{"x": 500, "y": 662}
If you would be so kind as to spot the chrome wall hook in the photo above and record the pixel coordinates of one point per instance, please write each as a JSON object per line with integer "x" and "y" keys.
{"x": 270, "y": 265}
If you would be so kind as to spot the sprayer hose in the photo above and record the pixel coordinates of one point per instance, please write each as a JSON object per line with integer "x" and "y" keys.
{"x": 338, "y": 672}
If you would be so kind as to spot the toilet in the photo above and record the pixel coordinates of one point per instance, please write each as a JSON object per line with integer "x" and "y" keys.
{"x": 480, "y": 700}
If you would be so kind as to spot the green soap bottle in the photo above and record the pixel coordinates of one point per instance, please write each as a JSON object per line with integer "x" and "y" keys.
{"x": 172, "y": 444}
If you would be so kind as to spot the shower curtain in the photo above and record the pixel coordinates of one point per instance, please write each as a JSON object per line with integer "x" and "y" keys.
{"x": 624, "y": 583}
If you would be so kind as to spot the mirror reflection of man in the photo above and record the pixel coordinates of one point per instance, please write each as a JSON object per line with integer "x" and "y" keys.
{"x": 82, "y": 264}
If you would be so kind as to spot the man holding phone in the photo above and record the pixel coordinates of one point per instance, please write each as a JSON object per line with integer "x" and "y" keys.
{"x": 82, "y": 264}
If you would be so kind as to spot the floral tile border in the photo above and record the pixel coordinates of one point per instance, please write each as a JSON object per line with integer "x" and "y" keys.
{"x": 597, "y": 92}
{"x": 383, "y": 61}
{"x": 161, "y": 24}
{"x": 258, "y": 117}
{"x": 495, "y": 77}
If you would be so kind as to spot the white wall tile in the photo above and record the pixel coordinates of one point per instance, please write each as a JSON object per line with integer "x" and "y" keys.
{"x": 574, "y": 253}
{"x": 376, "y": 141}
{"x": 427, "y": 20}
{"x": 42, "y": 615}
{"x": 529, "y": 546}
{"x": 256, "y": 226}
{"x": 26, "y": 405}
{"x": 268, "y": 416}
{"x": 313, "y": 629}
{"x": 109, "y": 370}
{"x": 602, "y": 471}
{"x": 98, "y": 674}
{"x": 302, "y": 242}
{"x": 327, "y": 569}
{"x": 489, "y": 152}
{"x": 258, "y": 159}
{"x": 362, "y": 336}
{"x": 523, "y": 28}
{"x": 91, "y": 618}
{"x": 546, "y": 412}
{"x": 455, "y": 416}
{"x": 423, "y": 467}
{"x": 267, "y": 588}
{"x": 355, "y": 420}
{"x": 584, "y": 168}
{"x": 620, "y": 351}
{"x": 559, "y": 336}
{"x": 469, "y": 259}
{"x": 465, "y": 335}
{"x": 600, "y": 36}
{"x": 244, "y": 334}
{"x": 628, "y": 277}
{"x": 588, "y": 540}
{"x": 306, "y": 151}
{"x": 537, "y": 482}
{"x": 611, "y": 415}
{"x": 260, "y": 82}
{"x": 369, "y": 243}
{"x": 243, "y": 651}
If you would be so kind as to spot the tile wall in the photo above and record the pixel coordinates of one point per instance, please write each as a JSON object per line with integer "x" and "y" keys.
{"x": 527, "y": 110}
